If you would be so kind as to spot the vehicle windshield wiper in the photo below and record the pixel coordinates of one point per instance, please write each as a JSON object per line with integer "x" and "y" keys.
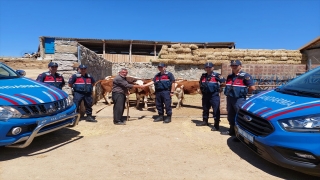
{"x": 300, "y": 93}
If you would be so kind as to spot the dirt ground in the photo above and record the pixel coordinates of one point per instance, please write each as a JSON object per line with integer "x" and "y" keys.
{"x": 142, "y": 149}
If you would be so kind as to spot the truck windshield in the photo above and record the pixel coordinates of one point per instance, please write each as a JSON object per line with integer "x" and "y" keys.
{"x": 6, "y": 72}
{"x": 307, "y": 84}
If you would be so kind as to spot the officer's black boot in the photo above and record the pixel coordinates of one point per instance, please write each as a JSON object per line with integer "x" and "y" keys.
{"x": 167, "y": 119}
{"x": 90, "y": 119}
{"x": 159, "y": 118}
{"x": 203, "y": 123}
{"x": 230, "y": 132}
{"x": 215, "y": 126}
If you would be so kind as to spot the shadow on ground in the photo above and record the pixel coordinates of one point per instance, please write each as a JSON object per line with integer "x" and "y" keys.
{"x": 246, "y": 154}
{"x": 42, "y": 144}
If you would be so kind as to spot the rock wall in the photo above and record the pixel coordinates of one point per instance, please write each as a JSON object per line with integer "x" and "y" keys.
{"x": 98, "y": 67}
{"x": 66, "y": 55}
{"x": 149, "y": 70}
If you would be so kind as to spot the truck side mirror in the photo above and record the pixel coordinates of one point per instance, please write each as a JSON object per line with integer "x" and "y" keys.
{"x": 21, "y": 72}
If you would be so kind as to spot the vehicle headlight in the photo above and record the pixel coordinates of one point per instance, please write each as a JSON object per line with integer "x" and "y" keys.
{"x": 69, "y": 101}
{"x": 7, "y": 112}
{"x": 303, "y": 124}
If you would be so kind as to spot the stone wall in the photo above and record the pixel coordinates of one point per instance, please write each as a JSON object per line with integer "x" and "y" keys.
{"x": 149, "y": 70}
{"x": 66, "y": 55}
{"x": 98, "y": 67}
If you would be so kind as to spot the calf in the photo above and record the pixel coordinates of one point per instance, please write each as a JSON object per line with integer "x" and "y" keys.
{"x": 185, "y": 87}
{"x": 142, "y": 93}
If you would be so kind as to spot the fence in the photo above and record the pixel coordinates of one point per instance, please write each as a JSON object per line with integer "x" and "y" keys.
{"x": 264, "y": 83}
{"x": 120, "y": 58}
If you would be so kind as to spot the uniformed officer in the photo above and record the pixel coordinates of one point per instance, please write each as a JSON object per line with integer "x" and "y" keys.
{"x": 82, "y": 84}
{"x": 52, "y": 77}
{"x": 164, "y": 91}
{"x": 210, "y": 88}
{"x": 238, "y": 85}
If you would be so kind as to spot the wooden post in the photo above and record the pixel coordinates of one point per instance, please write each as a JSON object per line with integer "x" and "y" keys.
{"x": 155, "y": 50}
{"x": 104, "y": 49}
{"x": 130, "y": 58}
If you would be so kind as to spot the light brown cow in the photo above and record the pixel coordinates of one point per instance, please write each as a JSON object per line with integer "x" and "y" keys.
{"x": 143, "y": 93}
{"x": 185, "y": 87}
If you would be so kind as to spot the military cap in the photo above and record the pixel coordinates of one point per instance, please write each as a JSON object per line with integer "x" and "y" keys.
{"x": 161, "y": 65}
{"x": 209, "y": 64}
{"x": 235, "y": 62}
{"x": 51, "y": 64}
{"x": 82, "y": 66}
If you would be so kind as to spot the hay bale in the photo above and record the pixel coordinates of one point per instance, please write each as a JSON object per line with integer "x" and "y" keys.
{"x": 156, "y": 60}
{"x": 163, "y": 52}
{"x": 170, "y": 50}
{"x": 164, "y": 47}
{"x": 261, "y": 58}
{"x": 195, "y": 52}
{"x": 165, "y": 61}
{"x": 292, "y": 54}
{"x": 193, "y": 46}
{"x": 184, "y": 56}
{"x": 183, "y": 50}
{"x": 198, "y": 58}
{"x": 210, "y": 57}
{"x": 201, "y": 61}
{"x": 185, "y": 45}
{"x": 283, "y": 54}
{"x": 175, "y": 46}
{"x": 178, "y": 50}
{"x": 217, "y": 54}
{"x": 225, "y": 58}
{"x": 292, "y": 62}
{"x": 247, "y": 58}
{"x": 188, "y": 61}
{"x": 225, "y": 53}
{"x": 202, "y": 54}
{"x": 169, "y": 56}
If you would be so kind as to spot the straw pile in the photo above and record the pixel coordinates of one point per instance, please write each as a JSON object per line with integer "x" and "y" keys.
{"x": 191, "y": 54}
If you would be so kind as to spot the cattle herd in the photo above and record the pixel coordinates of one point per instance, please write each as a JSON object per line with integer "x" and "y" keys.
{"x": 104, "y": 88}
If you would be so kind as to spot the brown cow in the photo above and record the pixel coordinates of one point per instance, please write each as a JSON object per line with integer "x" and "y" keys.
{"x": 186, "y": 87}
{"x": 105, "y": 88}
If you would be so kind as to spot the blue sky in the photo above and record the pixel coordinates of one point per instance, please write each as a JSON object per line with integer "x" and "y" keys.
{"x": 251, "y": 24}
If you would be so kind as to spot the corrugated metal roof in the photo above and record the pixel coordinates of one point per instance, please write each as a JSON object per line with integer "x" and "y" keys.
{"x": 310, "y": 44}
{"x": 149, "y": 42}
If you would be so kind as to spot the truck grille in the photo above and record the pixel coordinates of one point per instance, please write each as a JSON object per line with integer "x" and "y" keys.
{"x": 40, "y": 110}
{"x": 257, "y": 126}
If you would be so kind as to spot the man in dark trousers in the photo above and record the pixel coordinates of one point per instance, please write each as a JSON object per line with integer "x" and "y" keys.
{"x": 163, "y": 83}
{"x": 52, "y": 77}
{"x": 238, "y": 85}
{"x": 119, "y": 93}
{"x": 210, "y": 89}
{"x": 82, "y": 84}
